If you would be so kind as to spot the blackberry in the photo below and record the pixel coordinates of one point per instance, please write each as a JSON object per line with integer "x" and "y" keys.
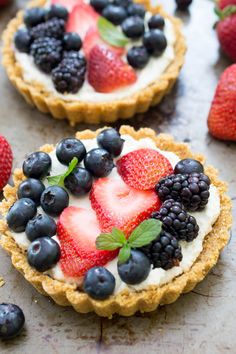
{"x": 177, "y": 221}
{"x": 164, "y": 252}
{"x": 47, "y": 53}
{"x": 190, "y": 189}
{"x": 53, "y": 28}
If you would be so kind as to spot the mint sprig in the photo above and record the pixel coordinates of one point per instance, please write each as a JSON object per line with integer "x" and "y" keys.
{"x": 144, "y": 234}
{"x": 59, "y": 179}
{"x": 110, "y": 34}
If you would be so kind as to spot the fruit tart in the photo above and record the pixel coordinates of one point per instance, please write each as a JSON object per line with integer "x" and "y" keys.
{"x": 93, "y": 61}
{"x": 115, "y": 222}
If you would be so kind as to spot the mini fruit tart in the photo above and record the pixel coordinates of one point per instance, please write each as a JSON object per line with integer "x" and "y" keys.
{"x": 115, "y": 222}
{"x": 94, "y": 60}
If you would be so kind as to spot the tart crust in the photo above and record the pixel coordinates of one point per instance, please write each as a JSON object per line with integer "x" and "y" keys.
{"x": 93, "y": 113}
{"x": 127, "y": 302}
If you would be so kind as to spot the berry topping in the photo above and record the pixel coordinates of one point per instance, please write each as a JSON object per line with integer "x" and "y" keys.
{"x": 54, "y": 200}
{"x": 20, "y": 213}
{"x": 69, "y": 148}
{"x": 79, "y": 182}
{"x": 68, "y": 4}
{"x": 138, "y": 57}
{"x": 57, "y": 11}
{"x": 110, "y": 140}
{"x": 118, "y": 205}
{"x": 143, "y": 168}
{"x": 136, "y": 10}
{"x": 115, "y": 14}
{"x": 6, "y": 158}
{"x": 177, "y": 221}
{"x": 133, "y": 27}
{"x": 12, "y": 320}
{"x": 23, "y": 40}
{"x": 156, "y": 22}
{"x": 34, "y": 16}
{"x": 107, "y": 71}
{"x": 99, "y": 283}
{"x": 123, "y": 3}
{"x": 183, "y": 4}
{"x": 99, "y": 5}
{"x": 165, "y": 252}
{"x": 192, "y": 190}
{"x": 72, "y": 41}
{"x": 37, "y": 165}
{"x": 47, "y": 53}
{"x": 187, "y": 166}
{"x": 43, "y": 253}
{"x": 99, "y": 162}
{"x": 31, "y": 188}
{"x": 155, "y": 42}
{"x": 40, "y": 226}
{"x": 53, "y": 28}
{"x": 136, "y": 269}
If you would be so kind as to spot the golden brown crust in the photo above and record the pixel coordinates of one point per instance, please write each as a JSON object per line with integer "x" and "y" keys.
{"x": 89, "y": 112}
{"x": 126, "y": 303}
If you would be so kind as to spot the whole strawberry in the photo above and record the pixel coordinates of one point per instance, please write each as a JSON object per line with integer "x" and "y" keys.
{"x": 223, "y": 3}
{"x": 6, "y": 158}
{"x": 222, "y": 116}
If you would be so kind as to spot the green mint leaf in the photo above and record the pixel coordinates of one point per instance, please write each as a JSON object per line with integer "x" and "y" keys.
{"x": 145, "y": 233}
{"x": 59, "y": 179}
{"x": 54, "y": 180}
{"x": 110, "y": 33}
{"x": 110, "y": 242}
{"x": 124, "y": 254}
{"x": 119, "y": 235}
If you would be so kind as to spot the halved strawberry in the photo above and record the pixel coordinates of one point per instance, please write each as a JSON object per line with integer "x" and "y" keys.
{"x": 69, "y": 4}
{"x": 119, "y": 205}
{"x": 142, "y": 169}
{"x": 77, "y": 230}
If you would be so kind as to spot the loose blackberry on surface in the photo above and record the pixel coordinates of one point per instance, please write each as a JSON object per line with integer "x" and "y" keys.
{"x": 12, "y": 320}
{"x": 156, "y": 22}
{"x": 34, "y": 16}
{"x": 99, "y": 283}
{"x": 40, "y": 226}
{"x": 23, "y": 40}
{"x": 155, "y": 42}
{"x": 31, "y": 188}
{"x": 69, "y": 148}
{"x": 110, "y": 140}
{"x": 133, "y": 27}
{"x": 54, "y": 200}
{"x": 79, "y": 182}
{"x": 20, "y": 213}
{"x": 99, "y": 162}
{"x": 115, "y": 14}
{"x": 138, "y": 57}
{"x": 37, "y": 165}
{"x": 53, "y": 28}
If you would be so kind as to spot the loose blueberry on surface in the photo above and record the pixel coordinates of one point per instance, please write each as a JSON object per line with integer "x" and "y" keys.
{"x": 155, "y": 42}
{"x": 20, "y": 213}
{"x": 40, "y": 226}
{"x": 188, "y": 166}
{"x": 183, "y": 4}
{"x": 69, "y": 148}
{"x": 136, "y": 10}
{"x": 34, "y": 16}
{"x": 156, "y": 22}
{"x": 12, "y": 320}
{"x": 57, "y": 11}
{"x": 133, "y": 27}
{"x": 79, "y": 182}
{"x": 54, "y": 200}
{"x": 31, "y": 188}
{"x": 43, "y": 253}
{"x": 99, "y": 283}
{"x": 37, "y": 165}
{"x": 72, "y": 41}
{"x": 115, "y": 14}
{"x": 110, "y": 140}
{"x": 23, "y": 40}
{"x": 138, "y": 57}
{"x": 136, "y": 269}
{"x": 99, "y": 5}
{"x": 99, "y": 162}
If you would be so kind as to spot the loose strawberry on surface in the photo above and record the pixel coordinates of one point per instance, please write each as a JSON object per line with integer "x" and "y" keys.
{"x": 6, "y": 158}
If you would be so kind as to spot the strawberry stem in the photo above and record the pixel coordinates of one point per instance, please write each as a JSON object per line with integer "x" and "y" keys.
{"x": 226, "y": 12}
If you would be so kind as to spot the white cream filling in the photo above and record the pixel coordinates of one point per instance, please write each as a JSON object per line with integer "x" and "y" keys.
{"x": 191, "y": 251}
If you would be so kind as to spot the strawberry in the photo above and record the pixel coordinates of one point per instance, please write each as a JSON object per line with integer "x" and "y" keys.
{"x": 6, "y": 159}
{"x": 81, "y": 19}
{"x": 77, "y": 230}
{"x": 107, "y": 71}
{"x": 119, "y": 205}
{"x": 142, "y": 169}
{"x": 223, "y": 3}
{"x": 69, "y": 4}
{"x": 222, "y": 116}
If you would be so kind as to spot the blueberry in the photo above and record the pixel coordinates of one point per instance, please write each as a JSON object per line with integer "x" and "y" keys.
{"x": 136, "y": 10}
{"x": 12, "y": 320}
{"x": 69, "y": 148}
{"x": 156, "y": 22}
{"x": 138, "y": 57}
{"x": 155, "y": 42}
{"x": 99, "y": 283}
{"x": 99, "y": 162}
{"x": 187, "y": 166}
{"x": 54, "y": 200}
{"x": 99, "y": 5}
{"x": 43, "y": 253}
{"x": 72, "y": 41}
{"x": 57, "y": 11}
{"x": 133, "y": 27}
{"x": 115, "y": 14}
{"x": 37, "y": 165}
{"x": 20, "y": 213}
{"x": 31, "y": 188}
{"x": 123, "y": 3}
{"x": 40, "y": 226}
{"x": 34, "y": 16}
{"x": 110, "y": 140}
{"x": 136, "y": 269}
{"x": 23, "y": 40}
{"x": 79, "y": 182}
{"x": 183, "y": 5}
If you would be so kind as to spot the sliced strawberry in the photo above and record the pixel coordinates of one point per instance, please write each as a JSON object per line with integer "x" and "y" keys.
{"x": 142, "y": 169}
{"x": 107, "y": 71}
{"x": 81, "y": 19}
{"x": 77, "y": 231}
{"x": 119, "y": 205}
{"x": 69, "y": 4}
